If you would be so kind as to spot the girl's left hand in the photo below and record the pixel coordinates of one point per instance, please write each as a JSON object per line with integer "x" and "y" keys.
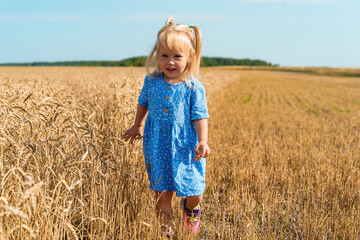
{"x": 202, "y": 150}
{"x": 135, "y": 132}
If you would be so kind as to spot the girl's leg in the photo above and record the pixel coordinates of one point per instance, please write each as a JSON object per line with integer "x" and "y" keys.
{"x": 192, "y": 212}
{"x": 193, "y": 201}
{"x": 163, "y": 206}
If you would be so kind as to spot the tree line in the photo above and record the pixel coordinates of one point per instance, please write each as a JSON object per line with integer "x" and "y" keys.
{"x": 140, "y": 61}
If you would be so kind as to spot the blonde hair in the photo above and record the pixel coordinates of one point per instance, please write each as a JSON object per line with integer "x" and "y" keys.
{"x": 177, "y": 37}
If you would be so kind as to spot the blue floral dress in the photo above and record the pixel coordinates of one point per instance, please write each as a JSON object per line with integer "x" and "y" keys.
{"x": 170, "y": 136}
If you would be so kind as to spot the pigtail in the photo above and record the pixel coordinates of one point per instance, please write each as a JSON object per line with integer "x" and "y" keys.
{"x": 195, "y": 68}
{"x": 170, "y": 20}
{"x": 150, "y": 62}
{"x": 151, "y": 65}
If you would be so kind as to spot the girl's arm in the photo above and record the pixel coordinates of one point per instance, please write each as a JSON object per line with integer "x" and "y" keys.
{"x": 137, "y": 129}
{"x": 201, "y": 126}
{"x": 140, "y": 116}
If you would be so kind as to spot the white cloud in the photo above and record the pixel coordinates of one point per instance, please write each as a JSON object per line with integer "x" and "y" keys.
{"x": 46, "y": 17}
{"x": 197, "y": 18}
{"x": 141, "y": 18}
{"x": 291, "y": 1}
{"x": 63, "y": 18}
{"x": 150, "y": 18}
{"x": 209, "y": 18}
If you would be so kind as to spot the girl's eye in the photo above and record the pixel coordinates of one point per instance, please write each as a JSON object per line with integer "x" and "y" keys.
{"x": 178, "y": 56}
{"x": 163, "y": 55}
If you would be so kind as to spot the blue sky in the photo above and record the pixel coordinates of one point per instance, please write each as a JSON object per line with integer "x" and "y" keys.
{"x": 285, "y": 32}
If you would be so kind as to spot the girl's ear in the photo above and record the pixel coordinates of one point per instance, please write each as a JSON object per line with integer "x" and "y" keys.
{"x": 190, "y": 58}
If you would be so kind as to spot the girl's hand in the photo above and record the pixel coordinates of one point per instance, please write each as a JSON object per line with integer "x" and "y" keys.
{"x": 202, "y": 150}
{"x": 135, "y": 132}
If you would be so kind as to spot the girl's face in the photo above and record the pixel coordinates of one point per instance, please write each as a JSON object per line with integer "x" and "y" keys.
{"x": 173, "y": 64}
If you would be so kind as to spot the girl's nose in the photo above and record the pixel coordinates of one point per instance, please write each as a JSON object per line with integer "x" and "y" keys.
{"x": 171, "y": 60}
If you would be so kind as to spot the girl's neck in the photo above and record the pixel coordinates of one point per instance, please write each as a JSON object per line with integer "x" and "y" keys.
{"x": 174, "y": 81}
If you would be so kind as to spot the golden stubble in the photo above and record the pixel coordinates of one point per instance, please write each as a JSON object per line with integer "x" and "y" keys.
{"x": 284, "y": 162}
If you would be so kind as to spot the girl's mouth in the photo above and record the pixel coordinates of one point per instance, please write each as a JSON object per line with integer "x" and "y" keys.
{"x": 171, "y": 69}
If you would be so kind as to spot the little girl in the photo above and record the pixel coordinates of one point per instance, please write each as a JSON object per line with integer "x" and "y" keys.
{"x": 176, "y": 129}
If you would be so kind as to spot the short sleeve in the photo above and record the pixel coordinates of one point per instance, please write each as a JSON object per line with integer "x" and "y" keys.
{"x": 198, "y": 103}
{"x": 143, "y": 98}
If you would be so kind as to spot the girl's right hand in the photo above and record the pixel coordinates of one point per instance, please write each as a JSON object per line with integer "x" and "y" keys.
{"x": 202, "y": 150}
{"x": 135, "y": 132}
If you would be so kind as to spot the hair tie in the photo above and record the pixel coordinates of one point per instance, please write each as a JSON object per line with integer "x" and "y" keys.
{"x": 191, "y": 26}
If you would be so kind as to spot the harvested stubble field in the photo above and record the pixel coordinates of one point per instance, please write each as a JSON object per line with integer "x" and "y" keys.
{"x": 285, "y": 156}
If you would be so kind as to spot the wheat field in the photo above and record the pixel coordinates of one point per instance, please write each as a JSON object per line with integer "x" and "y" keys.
{"x": 284, "y": 163}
